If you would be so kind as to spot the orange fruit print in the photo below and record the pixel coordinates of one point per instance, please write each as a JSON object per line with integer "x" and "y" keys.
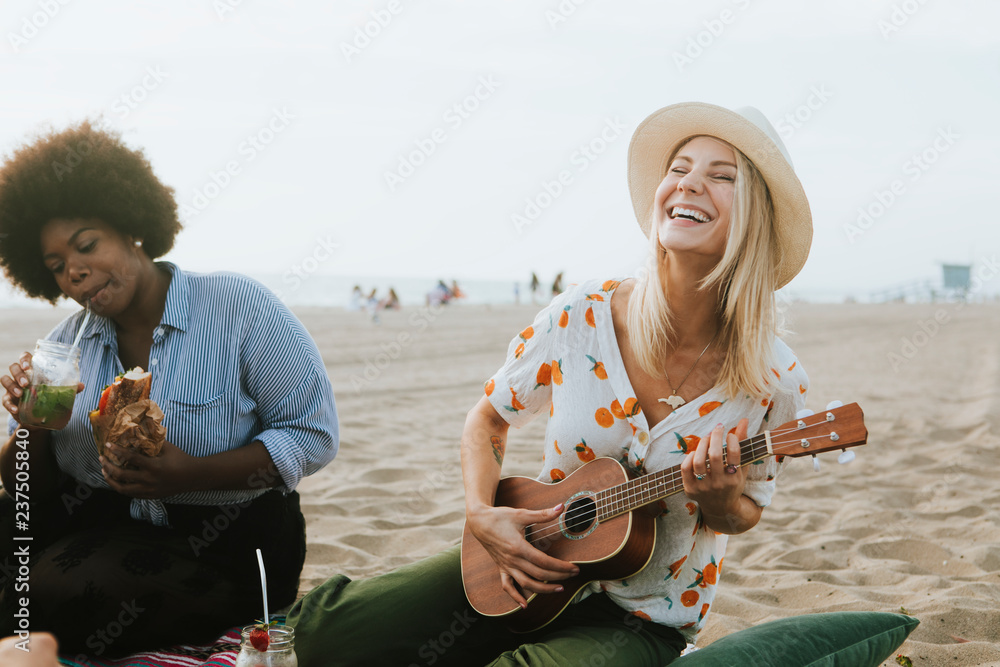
{"x": 687, "y": 443}
{"x": 802, "y": 389}
{"x": 589, "y": 317}
{"x": 616, "y": 409}
{"x": 610, "y": 285}
{"x": 632, "y": 407}
{"x": 527, "y": 333}
{"x": 708, "y": 576}
{"x": 704, "y": 610}
{"x": 564, "y": 317}
{"x": 595, "y": 297}
{"x": 641, "y": 614}
{"x": 519, "y": 351}
{"x": 689, "y": 598}
{"x": 543, "y": 376}
{"x": 598, "y": 368}
{"x": 604, "y": 417}
{"x": 583, "y": 452}
{"x": 708, "y": 407}
{"x": 793, "y": 365}
{"x": 555, "y": 443}
{"x": 489, "y": 387}
{"x": 514, "y": 403}
{"x": 557, "y": 375}
{"x": 556, "y": 474}
{"x": 675, "y": 569}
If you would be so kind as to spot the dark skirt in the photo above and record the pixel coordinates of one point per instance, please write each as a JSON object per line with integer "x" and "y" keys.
{"x": 105, "y": 584}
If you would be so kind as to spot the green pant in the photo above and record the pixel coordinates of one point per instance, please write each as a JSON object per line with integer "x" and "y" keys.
{"x": 418, "y": 615}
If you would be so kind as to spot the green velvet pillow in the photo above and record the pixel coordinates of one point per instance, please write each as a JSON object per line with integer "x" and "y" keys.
{"x": 836, "y": 639}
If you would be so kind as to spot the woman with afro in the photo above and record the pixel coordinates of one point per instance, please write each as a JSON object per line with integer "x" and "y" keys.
{"x": 160, "y": 550}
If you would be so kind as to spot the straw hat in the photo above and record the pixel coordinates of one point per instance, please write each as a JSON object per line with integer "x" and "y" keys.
{"x": 748, "y": 130}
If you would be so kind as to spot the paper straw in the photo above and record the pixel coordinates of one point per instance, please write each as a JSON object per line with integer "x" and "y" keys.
{"x": 79, "y": 333}
{"x": 263, "y": 584}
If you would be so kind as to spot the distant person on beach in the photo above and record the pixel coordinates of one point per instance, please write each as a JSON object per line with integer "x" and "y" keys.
{"x": 354, "y": 303}
{"x": 249, "y": 411}
{"x": 373, "y": 305}
{"x": 557, "y": 286}
{"x": 391, "y": 301}
{"x": 439, "y": 295}
{"x": 456, "y": 291}
{"x": 667, "y": 371}
{"x": 535, "y": 286}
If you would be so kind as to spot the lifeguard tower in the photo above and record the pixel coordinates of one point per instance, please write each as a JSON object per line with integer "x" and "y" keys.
{"x": 956, "y": 280}
{"x": 955, "y": 285}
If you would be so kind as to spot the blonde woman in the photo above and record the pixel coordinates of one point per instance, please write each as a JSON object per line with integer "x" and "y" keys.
{"x": 671, "y": 368}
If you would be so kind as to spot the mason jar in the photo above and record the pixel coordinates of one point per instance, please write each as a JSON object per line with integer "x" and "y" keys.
{"x": 280, "y": 650}
{"x": 55, "y": 372}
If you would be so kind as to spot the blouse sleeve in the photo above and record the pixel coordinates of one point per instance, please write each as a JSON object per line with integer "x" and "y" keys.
{"x": 789, "y": 398}
{"x": 283, "y": 371}
{"x": 522, "y": 388}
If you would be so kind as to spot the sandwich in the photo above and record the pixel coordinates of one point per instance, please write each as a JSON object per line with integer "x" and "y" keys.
{"x": 127, "y": 417}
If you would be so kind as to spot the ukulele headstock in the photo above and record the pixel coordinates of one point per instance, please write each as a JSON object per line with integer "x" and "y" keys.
{"x": 837, "y": 427}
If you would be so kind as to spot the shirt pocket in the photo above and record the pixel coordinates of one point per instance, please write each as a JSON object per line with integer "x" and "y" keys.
{"x": 201, "y": 425}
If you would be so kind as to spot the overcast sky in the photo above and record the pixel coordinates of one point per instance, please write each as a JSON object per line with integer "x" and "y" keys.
{"x": 395, "y": 137}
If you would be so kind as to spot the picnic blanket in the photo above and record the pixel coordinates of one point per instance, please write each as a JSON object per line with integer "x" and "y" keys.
{"x": 221, "y": 653}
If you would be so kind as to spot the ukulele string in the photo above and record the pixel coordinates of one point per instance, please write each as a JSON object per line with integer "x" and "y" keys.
{"x": 627, "y": 496}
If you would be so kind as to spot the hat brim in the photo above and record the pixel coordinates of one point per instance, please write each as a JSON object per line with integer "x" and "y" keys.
{"x": 655, "y": 138}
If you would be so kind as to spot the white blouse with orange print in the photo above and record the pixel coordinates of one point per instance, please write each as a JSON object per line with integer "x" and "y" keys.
{"x": 567, "y": 363}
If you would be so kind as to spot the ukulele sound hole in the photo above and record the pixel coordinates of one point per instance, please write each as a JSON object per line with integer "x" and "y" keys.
{"x": 580, "y": 517}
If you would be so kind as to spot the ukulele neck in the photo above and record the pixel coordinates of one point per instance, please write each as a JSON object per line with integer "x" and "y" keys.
{"x": 626, "y": 497}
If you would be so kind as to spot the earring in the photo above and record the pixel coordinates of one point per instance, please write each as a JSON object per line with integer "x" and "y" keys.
{"x": 138, "y": 244}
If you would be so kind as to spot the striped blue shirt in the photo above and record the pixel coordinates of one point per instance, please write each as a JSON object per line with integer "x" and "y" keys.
{"x": 231, "y": 365}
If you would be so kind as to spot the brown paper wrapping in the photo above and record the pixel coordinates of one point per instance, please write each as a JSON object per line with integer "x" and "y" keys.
{"x": 136, "y": 426}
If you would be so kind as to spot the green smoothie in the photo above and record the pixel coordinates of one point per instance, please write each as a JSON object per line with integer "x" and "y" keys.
{"x": 46, "y": 406}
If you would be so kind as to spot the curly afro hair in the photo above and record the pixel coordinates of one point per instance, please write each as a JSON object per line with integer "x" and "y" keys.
{"x": 82, "y": 172}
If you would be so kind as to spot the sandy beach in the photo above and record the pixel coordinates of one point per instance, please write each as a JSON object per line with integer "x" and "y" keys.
{"x": 912, "y": 523}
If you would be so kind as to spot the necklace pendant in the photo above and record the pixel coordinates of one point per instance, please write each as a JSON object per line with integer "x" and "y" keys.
{"x": 673, "y": 401}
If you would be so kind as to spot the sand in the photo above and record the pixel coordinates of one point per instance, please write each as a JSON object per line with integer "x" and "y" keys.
{"x": 912, "y": 523}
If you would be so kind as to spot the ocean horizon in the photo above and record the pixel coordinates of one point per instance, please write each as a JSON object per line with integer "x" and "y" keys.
{"x": 334, "y": 291}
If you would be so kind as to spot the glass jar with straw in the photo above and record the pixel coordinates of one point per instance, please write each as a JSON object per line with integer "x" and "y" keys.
{"x": 47, "y": 402}
{"x": 273, "y": 645}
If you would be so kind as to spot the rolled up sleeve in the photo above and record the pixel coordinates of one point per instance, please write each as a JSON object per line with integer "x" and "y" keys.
{"x": 284, "y": 374}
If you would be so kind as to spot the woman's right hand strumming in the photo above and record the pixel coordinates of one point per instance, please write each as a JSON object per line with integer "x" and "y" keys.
{"x": 523, "y": 568}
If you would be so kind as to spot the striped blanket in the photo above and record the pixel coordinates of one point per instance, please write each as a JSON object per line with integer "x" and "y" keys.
{"x": 222, "y": 653}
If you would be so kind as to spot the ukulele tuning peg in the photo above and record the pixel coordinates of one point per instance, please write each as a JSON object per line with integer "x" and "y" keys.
{"x": 803, "y": 413}
{"x": 834, "y": 404}
{"x": 845, "y": 457}
{"x": 815, "y": 463}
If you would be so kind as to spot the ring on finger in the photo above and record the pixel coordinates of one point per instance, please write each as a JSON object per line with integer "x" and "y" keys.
{"x": 699, "y": 477}
{"x": 731, "y": 469}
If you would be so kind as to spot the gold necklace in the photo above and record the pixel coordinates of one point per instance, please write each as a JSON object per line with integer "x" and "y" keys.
{"x": 675, "y": 401}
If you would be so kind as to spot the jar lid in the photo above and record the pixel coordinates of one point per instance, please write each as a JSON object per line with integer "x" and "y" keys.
{"x": 282, "y": 637}
{"x": 55, "y": 348}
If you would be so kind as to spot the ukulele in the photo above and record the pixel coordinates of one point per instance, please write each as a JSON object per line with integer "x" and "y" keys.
{"x": 600, "y": 529}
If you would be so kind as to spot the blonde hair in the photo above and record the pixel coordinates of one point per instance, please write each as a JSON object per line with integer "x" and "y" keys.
{"x": 744, "y": 278}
